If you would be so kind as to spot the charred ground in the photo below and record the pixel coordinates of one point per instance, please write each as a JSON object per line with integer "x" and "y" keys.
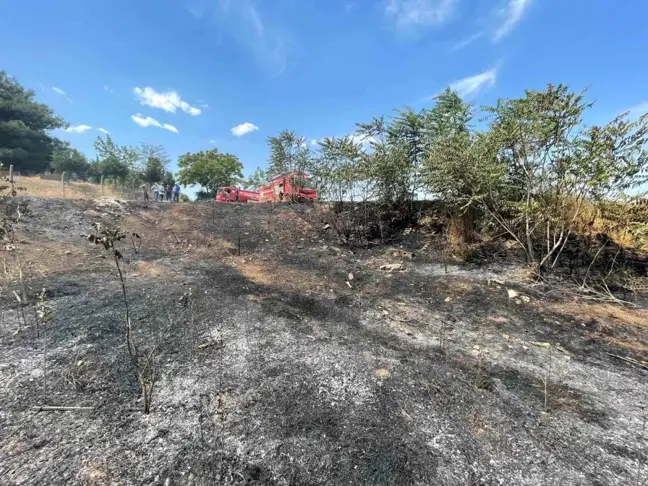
{"x": 272, "y": 369}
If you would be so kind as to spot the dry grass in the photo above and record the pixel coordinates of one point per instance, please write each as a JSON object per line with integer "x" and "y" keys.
{"x": 35, "y": 186}
{"x": 44, "y": 258}
{"x": 275, "y": 276}
{"x": 608, "y": 314}
{"x": 148, "y": 269}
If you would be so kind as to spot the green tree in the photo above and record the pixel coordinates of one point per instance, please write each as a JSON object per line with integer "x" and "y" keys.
{"x": 536, "y": 169}
{"x": 457, "y": 166}
{"x": 154, "y": 170}
{"x": 114, "y": 161}
{"x": 258, "y": 179}
{"x": 288, "y": 153}
{"x": 388, "y": 164}
{"x": 152, "y": 162}
{"x": 210, "y": 169}
{"x": 24, "y": 142}
{"x": 339, "y": 171}
{"x": 70, "y": 160}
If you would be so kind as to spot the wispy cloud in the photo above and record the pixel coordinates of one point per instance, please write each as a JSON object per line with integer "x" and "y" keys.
{"x": 474, "y": 84}
{"x": 204, "y": 105}
{"x": 467, "y": 41}
{"x": 61, "y": 92}
{"x": 108, "y": 89}
{"x": 512, "y": 15}
{"x": 244, "y": 129}
{"x": 152, "y": 122}
{"x": 212, "y": 141}
{"x": 78, "y": 128}
{"x": 103, "y": 130}
{"x": 169, "y": 101}
{"x": 409, "y": 14}
{"x": 245, "y": 22}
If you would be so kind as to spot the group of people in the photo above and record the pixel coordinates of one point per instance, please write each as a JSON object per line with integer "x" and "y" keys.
{"x": 162, "y": 193}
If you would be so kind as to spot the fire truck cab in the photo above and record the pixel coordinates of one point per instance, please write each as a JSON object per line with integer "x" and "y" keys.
{"x": 234, "y": 194}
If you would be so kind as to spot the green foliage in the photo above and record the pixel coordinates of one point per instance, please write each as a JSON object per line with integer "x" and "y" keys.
{"x": 69, "y": 160}
{"x": 339, "y": 170}
{"x": 533, "y": 170}
{"x": 204, "y": 196}
{"x": 153, "y": 170}
{"x": 288, "y": 153}
{"x": 258, "y": 179}
{"x": 114, "y": 162}
{"x": 168, "y": 180}
{"x": 153, "y": 162}
{"x": 24, "y": 142}
{"x": 210, "y": 169}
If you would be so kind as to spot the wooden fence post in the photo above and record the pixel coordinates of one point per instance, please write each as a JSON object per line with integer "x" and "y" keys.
{"x": 102, "y": 182}
{"x": 63, "y": 182}
{"x": 11, "y": 173}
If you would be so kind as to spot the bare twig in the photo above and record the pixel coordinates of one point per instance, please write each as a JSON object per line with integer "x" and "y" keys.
{"x": 54, "y": 408}
{"x": 628, "y": 360}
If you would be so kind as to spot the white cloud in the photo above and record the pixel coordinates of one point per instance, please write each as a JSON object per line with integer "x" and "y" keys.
{"x": 151, "y": 122}
{"x": 473, "y": 84}
{"x": 512, "y": 14}
{"x": 103, "y": 130}
{"x": 314, "y": 142}
{"x": 108, "y": 89}
{"x": 78, "y": 128}
{"x": 204, "y": 105}
{"x": 244, "y": 129}
{"x": 212, "y": 141}
{"x": 409, "y": 14}
{"x": 169, "y": 101}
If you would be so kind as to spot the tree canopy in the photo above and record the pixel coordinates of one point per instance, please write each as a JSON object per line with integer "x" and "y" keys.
{"x": 65, "y": 158}
{"x": 210, "y": 169}
{"x": 24, "y": 125}
{"x": 288, "y": 152}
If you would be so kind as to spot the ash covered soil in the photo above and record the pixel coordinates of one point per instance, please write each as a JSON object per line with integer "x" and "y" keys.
{"x": 278, "y": 368}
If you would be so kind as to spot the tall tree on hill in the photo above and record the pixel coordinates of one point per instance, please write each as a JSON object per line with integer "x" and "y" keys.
{"x": 153, "y": 161}
{"x": 24, "y": 142}
{"x": 69, "y": 160}
{"x": 288, "y": 153}
{"x": 211, "y": 169}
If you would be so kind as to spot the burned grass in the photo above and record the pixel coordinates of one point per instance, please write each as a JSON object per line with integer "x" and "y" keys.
{"x": 273, "y": 370}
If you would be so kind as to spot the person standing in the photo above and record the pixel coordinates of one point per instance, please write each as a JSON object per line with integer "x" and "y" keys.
{"x": 156, "y": 192}
{"x": 176, "y": 193}
{"x": 145, "y": 194}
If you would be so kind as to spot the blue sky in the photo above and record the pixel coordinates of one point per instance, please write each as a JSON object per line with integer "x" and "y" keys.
{"x": 196, "y": 74}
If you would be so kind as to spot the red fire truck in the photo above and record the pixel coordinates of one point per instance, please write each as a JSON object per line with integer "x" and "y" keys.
{"x": 234, "y": 194}
{"x": 289, "y": 187}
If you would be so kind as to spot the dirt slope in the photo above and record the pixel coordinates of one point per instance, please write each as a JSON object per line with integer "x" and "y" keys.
{"x": 278, "y": 371}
